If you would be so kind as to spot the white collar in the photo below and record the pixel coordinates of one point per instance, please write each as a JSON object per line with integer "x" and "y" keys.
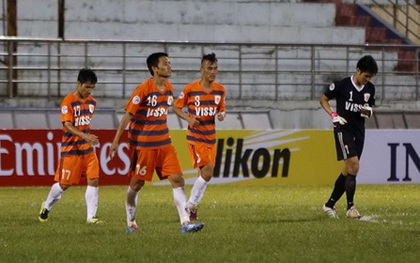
{"x": 359, "y": 88}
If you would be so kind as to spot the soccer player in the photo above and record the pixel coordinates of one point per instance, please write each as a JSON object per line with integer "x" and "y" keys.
{"x": 205, "y": 101}
{"x": 150, "y": 145}
{"x": 355, "y": 96}
{"x": 78, "y": 157}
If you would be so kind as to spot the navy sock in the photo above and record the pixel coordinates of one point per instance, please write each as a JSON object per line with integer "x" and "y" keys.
{"x": 350, "y": 189}
{"x": 339, "y": 189}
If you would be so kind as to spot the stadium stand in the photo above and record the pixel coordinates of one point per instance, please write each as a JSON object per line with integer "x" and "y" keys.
{"x": 287, "y": 58}
{"x": 256, "y": 120}
{"x": 6, "y": 120}
{"x": 25, "y": 119}
{"x": 174, "y": 122}
{"x": 105, "y": 119}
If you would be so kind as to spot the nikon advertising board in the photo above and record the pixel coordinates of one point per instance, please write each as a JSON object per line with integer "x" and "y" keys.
{"x": 30, "y": 157}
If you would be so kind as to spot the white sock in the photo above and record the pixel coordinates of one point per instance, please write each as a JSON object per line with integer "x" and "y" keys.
{"x": 180, "y": 200}
{"x": 92, "y": 198}
{"x": 53, "y": 196}
{"x": 130, "y": 206}
{"x": 197, "y": 191}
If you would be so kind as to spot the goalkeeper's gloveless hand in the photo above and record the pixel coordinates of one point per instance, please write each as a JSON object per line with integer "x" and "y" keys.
{"x": 337, "y": 120}
{"x": 366, "y": 111}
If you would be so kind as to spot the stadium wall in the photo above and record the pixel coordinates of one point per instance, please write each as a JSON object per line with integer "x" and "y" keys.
{"x": 186, "y": 20}
{"x": 30, "y": 157}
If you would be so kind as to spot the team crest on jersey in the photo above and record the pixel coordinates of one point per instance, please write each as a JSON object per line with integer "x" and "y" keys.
{"x": 136, "y": 100}
{"x": 64, "y": 110}
{"x": 91, "y": 108}
{"x": 367, "y": 97}
{"x": 181, "y": 96}
{"x": 170, "y": 100}
{"x": 332, "y": 86}
{"x": 217, "y": 99}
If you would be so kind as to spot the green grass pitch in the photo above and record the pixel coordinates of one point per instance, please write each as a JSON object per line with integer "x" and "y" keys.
{"x": 243, "y": 223}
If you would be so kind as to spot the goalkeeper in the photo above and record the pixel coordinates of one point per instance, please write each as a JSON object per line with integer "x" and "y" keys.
{"x": 355, "y": 96}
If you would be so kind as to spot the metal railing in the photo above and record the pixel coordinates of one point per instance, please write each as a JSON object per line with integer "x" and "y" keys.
{"x": 404, "y": 16}
{"x": 251, "y": 71}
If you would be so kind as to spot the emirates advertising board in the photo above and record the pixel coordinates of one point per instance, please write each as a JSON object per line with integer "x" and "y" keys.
{"x": 30, "y": 157}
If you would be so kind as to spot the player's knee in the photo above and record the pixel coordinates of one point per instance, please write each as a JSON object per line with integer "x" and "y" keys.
{"x": 352, "y": 167}
{"x": 207, "y": 176}
{"x": 353, "y": 171}
{"x": 207, "y": 172}
{"x": 64, "y": 187}
{"x": 136, "y": 185}
{"x": 176, "y": 180}
{"x": 93, "y": 182}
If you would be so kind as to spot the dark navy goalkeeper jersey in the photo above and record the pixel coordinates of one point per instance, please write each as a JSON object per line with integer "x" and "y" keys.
{"x": 350, "y": 98}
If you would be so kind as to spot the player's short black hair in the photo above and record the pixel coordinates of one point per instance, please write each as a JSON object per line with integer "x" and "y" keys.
{"x": 153, "y": 60}
{"x": 86, "y": 74}
{"x": 368, "y": 64}
{"x": 210, "y": 57}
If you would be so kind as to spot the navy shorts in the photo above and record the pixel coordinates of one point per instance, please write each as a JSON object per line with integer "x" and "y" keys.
{"x": 347, "y": 144}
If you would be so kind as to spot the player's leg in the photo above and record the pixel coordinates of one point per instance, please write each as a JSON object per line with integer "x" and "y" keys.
{"x": 355, "y": 147}
{"x": 340, "y": 183}
{"x": 168, "y": 166}
{"x": 92, "y": 190}
{"x": 338, "y": 191}
{"x": 203, "y": 156}
{"x": 180, "y": 199}
{"x": 54, "y": 195}
{"x": 352, "y": 166}
{"x": 198, "y": 189}
{"x": 131, "y": 203}
{"x": 92, "y": 200}
{"x": 67, "y": 174}
{"x": 142, "y": 166}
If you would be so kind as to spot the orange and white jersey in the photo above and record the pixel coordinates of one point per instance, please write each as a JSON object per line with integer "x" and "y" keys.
{"x": 204, "y": 105}
{"x": 149, "y": 109}
{"x": 79, "y": 112}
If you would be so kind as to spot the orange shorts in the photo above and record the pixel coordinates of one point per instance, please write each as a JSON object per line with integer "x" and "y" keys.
{"x": 73, "y": 167}
{"x": 145, "y": 162}
{"x": 202, "y": 154}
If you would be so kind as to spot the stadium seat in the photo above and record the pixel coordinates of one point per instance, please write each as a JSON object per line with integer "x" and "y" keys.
{"x": 412, "y": 120}
{"x": 232, "y": 121}
{"x": 6, "y": 120}
{"x": 104, "y": 119}
{"x": 174, "y": 123}
{"x": 54, "y": 120}
{"x": 257, "y": 121}
{"x": 390, "y": 120}
{"x": 31, "y": 119}
{"x": 119, "y": 115}
{"x": 371, "y": 122}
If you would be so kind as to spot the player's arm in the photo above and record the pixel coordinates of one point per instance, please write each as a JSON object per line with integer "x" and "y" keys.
{"x": 90, "y": 138}
{"x": 337, "y": 120}
{"x": 325, "y": 104}
{"x": 221, "y": 111}
{"x": 180, "y": 113}
{"x": 121, "y": 127}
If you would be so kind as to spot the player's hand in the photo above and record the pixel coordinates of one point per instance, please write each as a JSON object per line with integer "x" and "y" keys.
{"x": 113, "y": 149}
{"x": 92, "y": 139}
{"x": 337, "y": 120}
{"x": 221, "y": 116}
{"x": 366, "y": 111}
{"x": 193, "y": 121}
